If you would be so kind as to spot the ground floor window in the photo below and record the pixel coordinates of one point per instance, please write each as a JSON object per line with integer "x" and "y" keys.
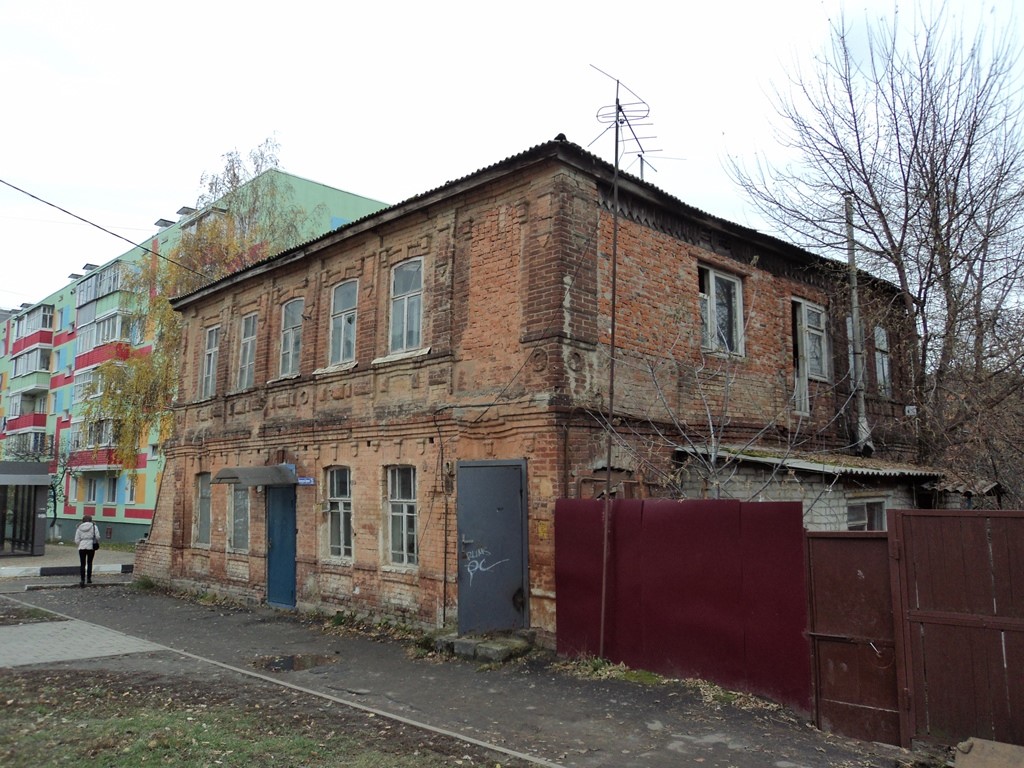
{"x": 402, "y": 514}
{"x": 339, "y": 512}
{"x": 240, "y": 518}
{"x": 865, "y": 516}
{"x": 203, "y": 498}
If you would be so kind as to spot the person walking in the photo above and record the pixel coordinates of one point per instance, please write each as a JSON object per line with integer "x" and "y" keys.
{"x": 87, "y": 537}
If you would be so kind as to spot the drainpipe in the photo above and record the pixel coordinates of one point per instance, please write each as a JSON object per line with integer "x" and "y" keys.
{"x": 864, "y": 445}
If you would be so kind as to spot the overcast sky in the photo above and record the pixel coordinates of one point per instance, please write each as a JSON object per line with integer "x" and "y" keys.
{"x": 113, "y": 110}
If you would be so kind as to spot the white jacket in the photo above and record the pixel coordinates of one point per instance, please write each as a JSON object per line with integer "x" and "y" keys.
{"x": 85, "y": 534}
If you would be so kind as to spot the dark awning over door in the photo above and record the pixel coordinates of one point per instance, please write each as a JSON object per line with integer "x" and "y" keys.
{"x": 279, "y": 474}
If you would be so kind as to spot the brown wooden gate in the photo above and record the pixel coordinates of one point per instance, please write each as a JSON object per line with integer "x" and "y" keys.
{"x": 959, "y": 589}
{"x": 853, "y": 636}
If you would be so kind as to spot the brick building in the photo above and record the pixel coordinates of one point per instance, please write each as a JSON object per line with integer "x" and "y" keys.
{"x": 381, "y": 420}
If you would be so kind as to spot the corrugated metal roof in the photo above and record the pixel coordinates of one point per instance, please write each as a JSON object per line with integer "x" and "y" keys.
{"x": 828, "y": 464}
{"x": 558, "y": 148}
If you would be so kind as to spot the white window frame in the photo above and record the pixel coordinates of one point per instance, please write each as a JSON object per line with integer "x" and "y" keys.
{"x": 403, "y": 543}
{"x": 344, "y": 308}
{"x": 865, "y": 515}
{"x": 34, "y": 361}
{"x": 91, "y": 490}
{"x": 711, "y": 291}
{"x": 110, "y": 491}
{"x": 406, "y": 308}
{"x": 248, "y": 327}
{"x": 208, "y": 382}
{"x": 810, "y": 332}
{"x": 291, "y": 336}
{"x": 883, "y": 372}
{"x": 340, "y": 534}
{"x": 131, "y": 488}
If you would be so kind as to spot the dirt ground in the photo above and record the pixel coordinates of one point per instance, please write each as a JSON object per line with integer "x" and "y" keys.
{"x": 88, "y": 714}
{"x": 102, "y": 717}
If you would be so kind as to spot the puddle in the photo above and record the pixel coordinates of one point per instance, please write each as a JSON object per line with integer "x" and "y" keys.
{"x": 294, "y": 663}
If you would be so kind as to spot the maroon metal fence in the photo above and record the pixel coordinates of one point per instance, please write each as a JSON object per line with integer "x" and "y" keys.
{"x": 710, "y": 589}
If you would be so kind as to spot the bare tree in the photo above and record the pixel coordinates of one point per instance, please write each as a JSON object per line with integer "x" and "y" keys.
{"x": 922, "y": 127}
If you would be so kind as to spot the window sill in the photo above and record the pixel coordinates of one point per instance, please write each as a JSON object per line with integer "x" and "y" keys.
{"x": 337, "y": 561}
{"x": 338, "y": 368}
{"x": 400, "y": 570}
{"x": 401, "y": 356}
{"x": 723, "y": 353}
{"x": 289, "y": 377}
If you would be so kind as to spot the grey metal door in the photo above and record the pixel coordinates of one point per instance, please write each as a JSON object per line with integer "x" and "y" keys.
{"x": 493, "y": 582}
{"x": 281, "y": 545}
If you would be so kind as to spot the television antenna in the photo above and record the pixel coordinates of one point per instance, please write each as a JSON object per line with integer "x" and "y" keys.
{"x": 624, "y": 117}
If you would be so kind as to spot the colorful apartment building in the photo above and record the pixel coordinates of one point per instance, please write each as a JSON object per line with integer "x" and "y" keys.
{"x": 52, "y": 349}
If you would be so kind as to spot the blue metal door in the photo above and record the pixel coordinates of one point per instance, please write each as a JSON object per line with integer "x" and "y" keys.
{"x": 281, "y": 533}
{"x": 493, "y": 585}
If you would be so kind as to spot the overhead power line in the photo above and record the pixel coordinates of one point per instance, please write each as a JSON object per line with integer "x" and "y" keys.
{"x": 102, "y": 228}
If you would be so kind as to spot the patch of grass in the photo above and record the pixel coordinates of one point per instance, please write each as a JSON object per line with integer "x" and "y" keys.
{"x": 596, "y": 668}
{"x": 144, "y": 583}
{"x": 21, "y": 614}
{"x": 119, "y": 546}
{"x": 92, "y": 719}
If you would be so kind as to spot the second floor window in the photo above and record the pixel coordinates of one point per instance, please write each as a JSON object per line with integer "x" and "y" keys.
{"x": 208, "y": 386}
{"x": 883, "y": 376}
{"x": 343, "y": 323}
{"x": 406, "y": 306}
{"x": 247, "y": 353}
{"x": 291, "y": 336}
{"x": 721, "y": 316}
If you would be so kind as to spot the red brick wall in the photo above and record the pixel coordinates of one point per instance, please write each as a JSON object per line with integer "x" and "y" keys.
{"x": 516, "y": 325}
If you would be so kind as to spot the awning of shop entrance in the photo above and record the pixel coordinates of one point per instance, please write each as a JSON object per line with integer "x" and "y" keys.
{"x": 24, "y": 473}
{"x": 278, "y": 474}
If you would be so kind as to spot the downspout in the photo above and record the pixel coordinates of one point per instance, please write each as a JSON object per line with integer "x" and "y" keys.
{"x": 864, "y": 445}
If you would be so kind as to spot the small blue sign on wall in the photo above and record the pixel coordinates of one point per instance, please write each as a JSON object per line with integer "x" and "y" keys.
{"x": 307, "y": 481}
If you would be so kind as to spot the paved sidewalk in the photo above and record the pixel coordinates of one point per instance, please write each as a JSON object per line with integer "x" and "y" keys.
{"x": 528, "y": 707}
{"x": 48, "y": 641}
{"x": 61, "y": 560}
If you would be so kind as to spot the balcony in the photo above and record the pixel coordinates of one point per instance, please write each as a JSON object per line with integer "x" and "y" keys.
{"x": 30, "y": 383}
{"x": 26, "y": 421}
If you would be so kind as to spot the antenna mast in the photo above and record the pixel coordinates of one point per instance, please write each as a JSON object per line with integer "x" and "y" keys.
{"x": 623, "y": 118}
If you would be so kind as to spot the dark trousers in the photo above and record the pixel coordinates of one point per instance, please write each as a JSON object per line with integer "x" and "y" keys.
{"x": 85, "y": 557}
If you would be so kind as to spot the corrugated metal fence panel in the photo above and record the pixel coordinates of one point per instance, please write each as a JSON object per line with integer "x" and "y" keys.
{"x": 775, "y": 620}
{"x": 627, "y": 631}
{"x": 696, "y": 588}
{"x": 578, "y": 554}
{"x": 961, "y": 593}
{"x": 692, "y": 604}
